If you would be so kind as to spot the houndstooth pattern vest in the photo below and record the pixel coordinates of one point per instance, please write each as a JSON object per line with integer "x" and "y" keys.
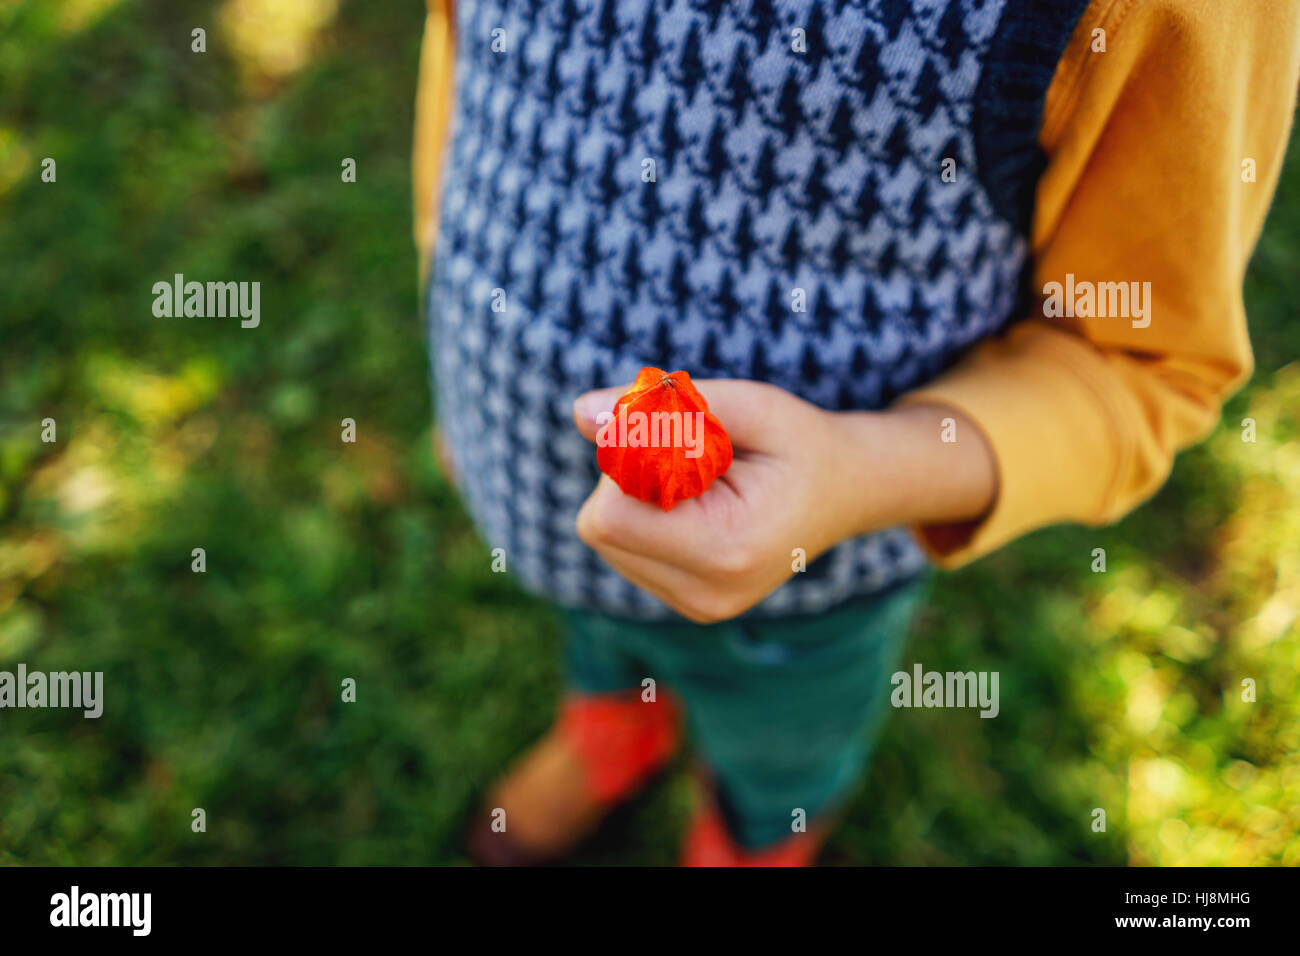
{"x": 643, "y": 183}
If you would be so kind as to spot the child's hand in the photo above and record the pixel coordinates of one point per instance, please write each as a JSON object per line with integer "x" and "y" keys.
{"x": 802, "y": 478}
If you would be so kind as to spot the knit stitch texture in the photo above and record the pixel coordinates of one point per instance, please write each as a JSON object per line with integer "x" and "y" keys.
{"x": 785, "y": 166}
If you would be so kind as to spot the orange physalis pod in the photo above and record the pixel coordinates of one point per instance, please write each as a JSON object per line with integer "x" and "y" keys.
{"x": 662, "y": 445}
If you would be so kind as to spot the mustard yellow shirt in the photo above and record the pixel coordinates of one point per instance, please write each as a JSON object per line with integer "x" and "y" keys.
{"x": 1164, "y": 134}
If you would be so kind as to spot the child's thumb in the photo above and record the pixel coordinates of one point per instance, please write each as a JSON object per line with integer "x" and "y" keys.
{"x": 590, "y": 405}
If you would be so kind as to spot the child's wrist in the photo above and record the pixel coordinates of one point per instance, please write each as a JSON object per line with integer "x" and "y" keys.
{"x": 914, "y": 465}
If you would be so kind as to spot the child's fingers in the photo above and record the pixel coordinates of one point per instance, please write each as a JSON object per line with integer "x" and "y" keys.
{"x": 747, "y": 410}
{"x": 702, "y": 601}
{"x": 590, "y": 405}
{"x": 673, "y": 586}
{"x": 690, "y": 536}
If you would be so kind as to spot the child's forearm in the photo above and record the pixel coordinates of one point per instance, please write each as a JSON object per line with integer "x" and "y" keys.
{"x": 1162, "y": 158}
{"x": 915, "y": 465}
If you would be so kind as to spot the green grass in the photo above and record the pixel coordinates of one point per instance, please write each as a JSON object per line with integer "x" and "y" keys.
{"x": 327, "y": 561}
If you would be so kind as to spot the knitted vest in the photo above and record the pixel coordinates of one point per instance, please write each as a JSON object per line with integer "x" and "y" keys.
{"x": 640, "y": 183}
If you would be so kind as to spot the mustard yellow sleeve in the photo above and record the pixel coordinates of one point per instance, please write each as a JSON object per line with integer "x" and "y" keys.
{"x": 433, "y": 102}
{"x": 1150, "y": 148}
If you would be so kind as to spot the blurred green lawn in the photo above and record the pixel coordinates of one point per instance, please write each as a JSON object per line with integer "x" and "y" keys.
{"x": 1121, "y": 690}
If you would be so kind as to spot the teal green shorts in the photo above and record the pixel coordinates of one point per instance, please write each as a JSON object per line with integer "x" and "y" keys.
{"x": 783, "y": 711}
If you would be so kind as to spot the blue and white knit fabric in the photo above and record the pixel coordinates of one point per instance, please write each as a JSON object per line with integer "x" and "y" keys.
{"x": 782, "y": 161}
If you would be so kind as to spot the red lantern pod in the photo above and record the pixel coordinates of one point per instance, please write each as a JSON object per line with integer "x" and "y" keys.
{"x": 663, "y": 445}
